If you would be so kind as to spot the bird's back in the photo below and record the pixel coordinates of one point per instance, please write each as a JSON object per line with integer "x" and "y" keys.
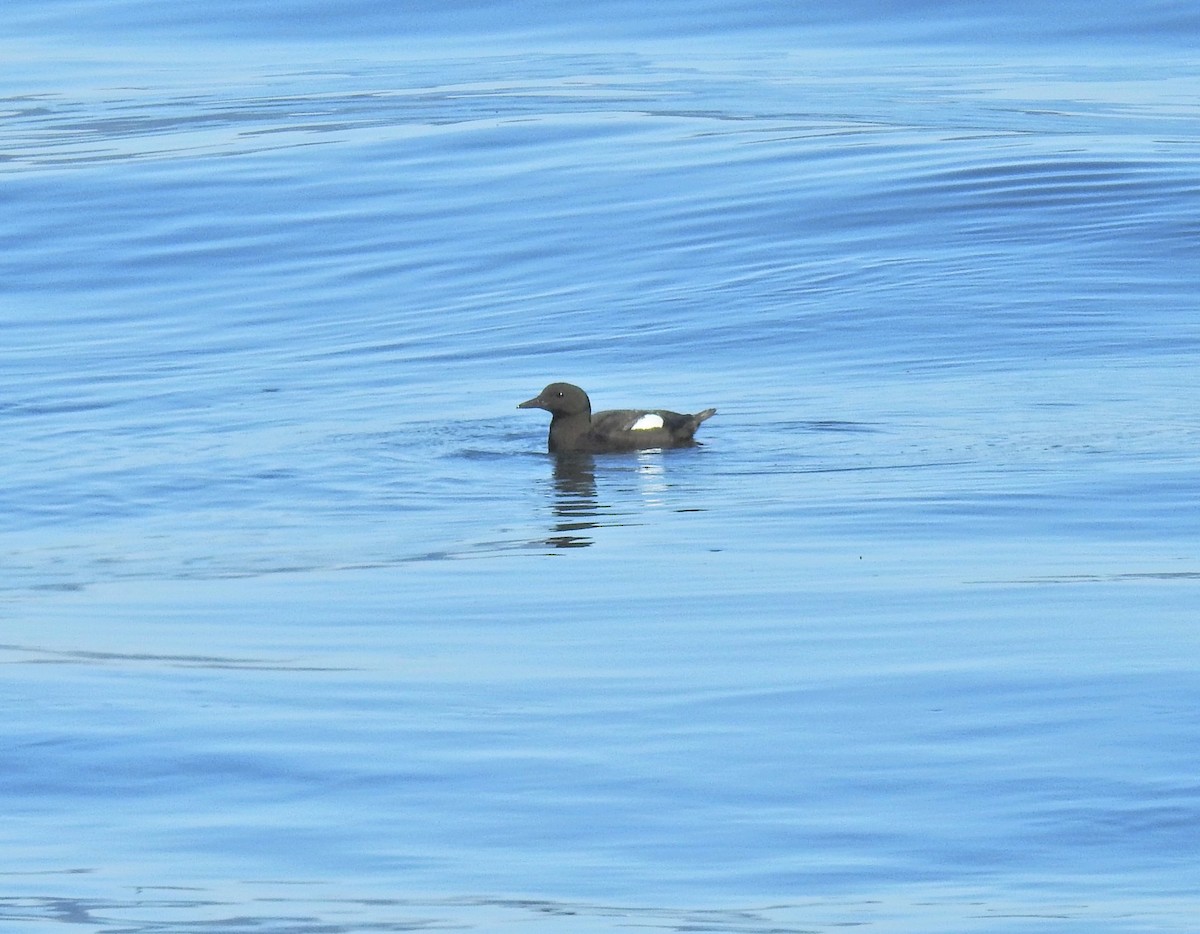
{"x": 634, "y": 429}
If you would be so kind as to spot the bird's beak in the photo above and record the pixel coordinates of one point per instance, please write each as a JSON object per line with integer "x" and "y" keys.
{"x": 534, "y": 403}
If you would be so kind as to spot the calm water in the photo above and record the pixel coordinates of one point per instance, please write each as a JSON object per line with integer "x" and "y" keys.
{"x": 301, "y": 628}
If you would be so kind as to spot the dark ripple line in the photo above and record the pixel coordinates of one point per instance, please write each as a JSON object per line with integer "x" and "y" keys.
{"x": 62, "y": 656}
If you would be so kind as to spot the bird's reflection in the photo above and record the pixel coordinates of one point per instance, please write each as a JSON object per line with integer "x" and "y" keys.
{"x": 637, "y": 484}
{"x": 574, "y": 500}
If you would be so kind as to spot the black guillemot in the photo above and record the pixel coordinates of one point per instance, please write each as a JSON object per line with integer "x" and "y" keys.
{"x": 573, "y": 427}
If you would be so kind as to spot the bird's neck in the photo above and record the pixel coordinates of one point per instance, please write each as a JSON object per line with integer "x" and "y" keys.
{"x": 566, "y": 430}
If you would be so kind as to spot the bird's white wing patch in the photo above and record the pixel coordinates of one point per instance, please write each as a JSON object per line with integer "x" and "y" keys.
{"x": 646, "y": 422}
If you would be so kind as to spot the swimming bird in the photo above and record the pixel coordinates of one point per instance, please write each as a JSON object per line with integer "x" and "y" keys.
{"x": 573, "y": 427}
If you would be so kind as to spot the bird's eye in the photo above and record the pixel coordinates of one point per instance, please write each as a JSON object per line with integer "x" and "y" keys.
{"x": 559, "y": 394}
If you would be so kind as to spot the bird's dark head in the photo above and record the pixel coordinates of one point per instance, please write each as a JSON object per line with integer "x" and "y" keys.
{"x": 560, "y": 399}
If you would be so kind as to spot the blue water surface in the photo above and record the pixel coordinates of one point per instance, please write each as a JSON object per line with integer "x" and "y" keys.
{"x": 303, "y": 630}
